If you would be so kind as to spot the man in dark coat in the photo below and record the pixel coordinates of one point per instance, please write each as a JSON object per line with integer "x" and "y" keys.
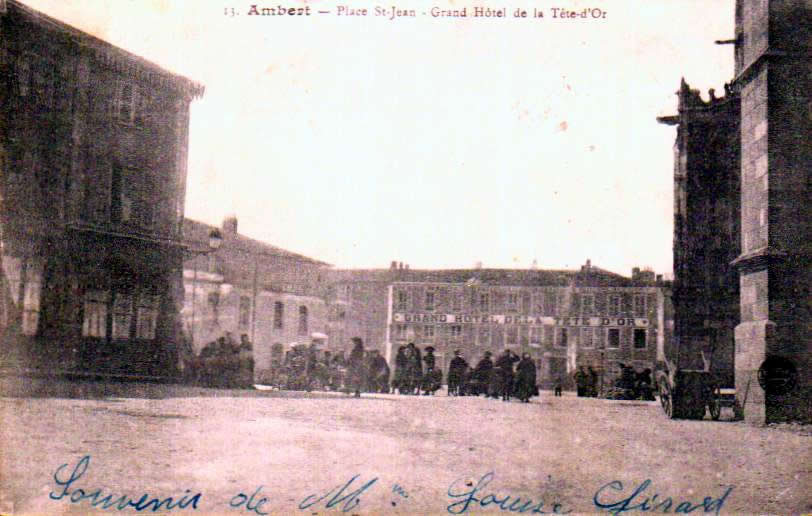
{"x": 378, "y": 373}
{"x": 355, "y": 367}
{"x": 414, "y": 368}
{"x": 481, "y": 378}
{"x": 433, "y": 379}
{"x": 525, "y": 378}
{"x": 593, "y": 382}
{"x": 581, "y": 380}
{"x": 504, "y": 375}
{"x": 456, "y": 370}
{"x": 401, "y": 370}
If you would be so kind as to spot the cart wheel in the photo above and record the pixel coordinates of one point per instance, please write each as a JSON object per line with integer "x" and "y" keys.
{"x": 666, "y": 399}
{"x": 714, "y": 403}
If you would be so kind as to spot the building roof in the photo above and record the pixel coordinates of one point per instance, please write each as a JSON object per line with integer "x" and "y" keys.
{"x": 586, "y": 276}
{"x": 112, "y": 56}
{"x": 196, "y": 234}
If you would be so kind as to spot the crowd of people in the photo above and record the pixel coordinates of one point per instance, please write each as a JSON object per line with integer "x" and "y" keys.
{"x": 509, "y": 376}
{"x": 410, "y": 377}
{"x": 416, "y": 373}
{"x": 223, "y": 363}
{"x": 226, "y": 363}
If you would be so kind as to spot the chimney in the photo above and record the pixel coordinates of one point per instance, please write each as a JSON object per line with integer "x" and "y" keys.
{"x": 393, "y": 266}
{"x": 230, "y": 224}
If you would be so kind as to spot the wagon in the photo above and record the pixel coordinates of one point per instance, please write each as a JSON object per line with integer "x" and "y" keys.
{"x": 687, "y": 393}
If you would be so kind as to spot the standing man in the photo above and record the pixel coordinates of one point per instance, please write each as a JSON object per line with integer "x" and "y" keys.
{"x": 581, "y": 381}
{"x": 433, "y": 378}
{"x": 355, "y": 369}
{"x": 456, "y": 371}
{"x": 481, "y": 377}
{"x": 504, "y": 375}
{"x": 525, "y": 378}
{"x": 378, "y": 373}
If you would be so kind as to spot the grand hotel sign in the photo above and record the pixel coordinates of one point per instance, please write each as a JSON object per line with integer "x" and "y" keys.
{"x": 398, "y": 317}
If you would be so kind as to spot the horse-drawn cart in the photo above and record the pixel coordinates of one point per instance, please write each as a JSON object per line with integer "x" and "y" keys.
{"x": 687, "y": 393}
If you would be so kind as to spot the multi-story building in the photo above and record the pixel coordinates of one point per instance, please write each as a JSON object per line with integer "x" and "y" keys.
{"x": 706, "y": 230}
{"x": 93, "y": 144}
{"x": 357, "y": 307}
{"x": 751, "y": 152}
{"x": 773, "y": 68}
{"x": 247, "y": 287}
{"x": 563, "y": 319}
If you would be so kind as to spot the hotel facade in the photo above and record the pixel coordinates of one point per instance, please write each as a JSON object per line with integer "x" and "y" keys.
{"x": 563, "y": 319}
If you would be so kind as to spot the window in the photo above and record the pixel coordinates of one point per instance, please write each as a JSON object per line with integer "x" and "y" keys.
{"x": 31, "y": 295}
{"x": 484, "y": 302}
{"x": 456, "y": 330}
{"x": 401, "y": 300}
{"x": 586, "y": 338}
{"x": 548, "y": 335}
{"x": 613, "y": 338}
{"x": 129, "y": 104}
{"x": 512, "y": 336}
{"x": 563, "y": 337}
{"x": 587, "y": 305}
{"x": 549, "y": 303}
{"x": 614, "y": 306}
{"x": 456, "y": 300}
{"x": 147, "y": 316}
{"x": 302, "y": 320}
{"x": 24, "y": 74}
{"x": 130, "y": 201}
{"x": 119, "y": 203}
{"x": 639, "y": 306}
{"x": 639, "y": 338}
{"x": 42, "y": 82}
{"x": 400, "y": 331}
{"x": 428, "y": 331}
{"x": 498, "y": 337}
{"x": 214, "y": 304}
{"x": 95, "y": 313}
{"x": 538, "y": 303}
{"x": 429, "y": 300}
{"x": 245, "y": 311}
{"x": 536, "y": 336}
{"x": 122, "y": 315}
{"x": 484, "y": 337}
{"x": 512, "y": 301}
{"x": 278, "y": 314}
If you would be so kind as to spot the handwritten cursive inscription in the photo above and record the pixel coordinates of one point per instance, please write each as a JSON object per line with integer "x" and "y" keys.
{"x": 96, "y": 497}
{"x": 351, "y": 500}
{"x": 251, "y": 504}
{"x": 654, "y": 503}
{"x": 475, "y": 496}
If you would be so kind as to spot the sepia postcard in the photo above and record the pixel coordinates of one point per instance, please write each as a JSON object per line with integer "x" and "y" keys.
{"x": 431, "y": 257}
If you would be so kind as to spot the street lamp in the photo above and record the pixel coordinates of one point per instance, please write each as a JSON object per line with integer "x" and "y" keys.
{"x": 215, "y": 241}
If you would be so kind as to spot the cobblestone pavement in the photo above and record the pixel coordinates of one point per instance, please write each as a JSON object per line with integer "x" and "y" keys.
{"x": 391, "y": 454}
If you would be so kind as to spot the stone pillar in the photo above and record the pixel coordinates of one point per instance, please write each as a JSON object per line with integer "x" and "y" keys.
{"x": 772, "y": 363}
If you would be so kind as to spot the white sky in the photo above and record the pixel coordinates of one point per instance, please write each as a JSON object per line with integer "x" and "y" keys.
{"x": 436, "y": 142}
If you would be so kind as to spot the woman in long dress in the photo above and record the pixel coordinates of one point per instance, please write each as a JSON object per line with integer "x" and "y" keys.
{"x": 525, "y": 378}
